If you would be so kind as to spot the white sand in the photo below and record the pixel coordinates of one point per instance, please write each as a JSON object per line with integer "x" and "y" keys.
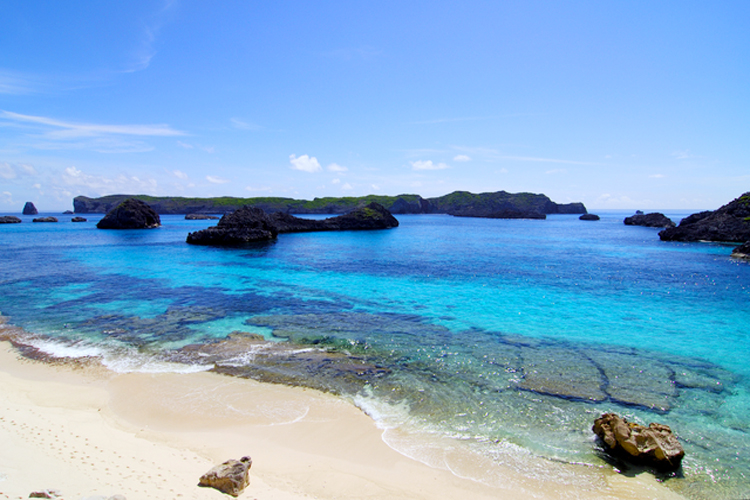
{"x": 92, "y": 434}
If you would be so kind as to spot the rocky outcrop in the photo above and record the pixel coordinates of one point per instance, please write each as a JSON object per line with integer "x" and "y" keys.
{"x": 246, "y": 225}
{"x": 45, "y": 219}
{"x": 78, "y": 219}
{"x": 68, "y": 212}
{"x": 30, "y": 209}
{"x": 655, "y": 446}
{"x": 130, "y": 214}
{"x": 742, "y": 251}
{"x": 9, "y": 219}
{"x": 654, "y": 219}
{"x": 730, "y": 223}
{"x": 201, "y": 217}
{"x": 251, "y": 224}
{"x": 231, "y": 477}
{"x": 589, "y": 217}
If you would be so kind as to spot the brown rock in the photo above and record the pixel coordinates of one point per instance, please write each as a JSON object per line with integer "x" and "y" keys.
{"x": 654, "y": 445}
{"x": 231, "y": 477}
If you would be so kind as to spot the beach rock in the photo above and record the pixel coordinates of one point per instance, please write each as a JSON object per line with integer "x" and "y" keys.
{"x": 730, "y": 222}
{"x": 655, "y": 445}
{"x": 78, "y": 219}
{"x": 45, "y": 219}
{"x": 742, "y": 251}
{"x": 68, "y": 212}
{"x": 130, "y": 214}
{"x": 29, "y": 209}
{"x": 241, "y": 227}
{"x": 589, "y": 217}
{"x": 231, "y": 477}
{"x": 45, "y": 494}
{"x": 655, "y": 219}
{"x": 9, "y": 219}
{"x": 201, "y": 217}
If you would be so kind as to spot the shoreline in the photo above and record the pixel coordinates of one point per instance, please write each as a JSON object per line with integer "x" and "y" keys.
{"x": 89, "y": 433}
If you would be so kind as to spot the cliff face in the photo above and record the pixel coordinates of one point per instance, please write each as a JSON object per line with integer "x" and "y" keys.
{"x": 461, "y": 203}
{"x": 728, "y": 223}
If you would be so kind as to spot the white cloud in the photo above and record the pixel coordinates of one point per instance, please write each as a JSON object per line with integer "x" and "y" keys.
{"x": 305, "y": 163}
{"x": 7, "y": 171}
{"x": 71, "y": 130}
{"x": 427, "y": 165}
{"x": 336, "y": 181}
{"x": 657, "y": 176}
{"x": 556, "y": 171}
{"x": 682, "y": 155}
{"x": 101, "y": 185}
{"x": 257, "y": 189}
{"x": 180, "y": 174}
{"x": 216, "y": 180}
{"x": 461, "y": 158}
{"x": 503, "y": 171}
{"x": 185, "y": 145}
{"x": 335, "y": 167}
{"x": 208, "y": 149}
{"x": 375, "y": 187}
{"x": 347, "y": 187}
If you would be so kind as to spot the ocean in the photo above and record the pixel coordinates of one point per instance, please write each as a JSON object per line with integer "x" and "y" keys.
{"x": 501, "y": 340}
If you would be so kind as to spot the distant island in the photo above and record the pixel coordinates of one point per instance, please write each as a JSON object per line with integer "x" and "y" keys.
{"x": 458, "y": 203}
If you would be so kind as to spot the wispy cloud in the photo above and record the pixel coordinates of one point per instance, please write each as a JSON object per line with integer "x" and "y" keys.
{"x": 461, "y": 158}
{"x": 556, "y": 171}
{"x": 305, "y": 163}
{"x": 180, "y": 174}
{"x": 70, "y": 129}
{"x": 335, "y": 167}
{"x": 144, "y": 52}
{"x": 102, "y": 185}
{"x": 427, "y": 165}
{"x": 216, "y": 180}
{"x": 16, "y": 83}
{"x": 493, "y": 154}
{"x": 244, "y": 125}
{"x": 683, "y": 155}
{"x": 185, "y": 145}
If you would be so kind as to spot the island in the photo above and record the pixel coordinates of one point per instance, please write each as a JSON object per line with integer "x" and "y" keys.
{"x": 729, "y": 223}
{"x": 458, "y": 203}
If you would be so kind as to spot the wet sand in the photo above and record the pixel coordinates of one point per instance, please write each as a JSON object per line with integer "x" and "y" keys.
{"x": 92, "y": 434}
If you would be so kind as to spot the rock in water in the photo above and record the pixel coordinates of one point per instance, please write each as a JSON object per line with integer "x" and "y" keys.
{"x": 231, "y": 477}
{"x": 9, "y": 219}
{"x": 728, "y": 223}
{"x": 29, "y": 209}
{"x": 78, "y": 219}
{"x": 589, "y": 217}
{"x": 130, "y": 214}
{"x": 45, "y": 219}
{"x": 654, "y": 445}
{"x": 742, "y": 251}
{"x": 655, "y": 219}
{"x": 200, "y": 217}
{"x": 243, "y": 226}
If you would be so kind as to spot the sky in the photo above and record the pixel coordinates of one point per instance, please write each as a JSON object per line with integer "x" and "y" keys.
{"x": 619, "y": 105}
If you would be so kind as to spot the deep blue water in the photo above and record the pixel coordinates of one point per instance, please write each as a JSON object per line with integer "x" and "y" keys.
{"x": 509, "y": 335}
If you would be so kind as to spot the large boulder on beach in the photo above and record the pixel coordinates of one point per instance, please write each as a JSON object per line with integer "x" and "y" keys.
{"x": 241, "y": 227}
{"x": 130, "y": 214}
{"x": 654, "y": 219}
{"x": 30, "y": 209}
{"x": 730, "y": 222}
{"x": 655, "y": 446}
{"x": 9, "y": 219}
{"x": 231, "y": 477}
{"x": 742, "y": 251}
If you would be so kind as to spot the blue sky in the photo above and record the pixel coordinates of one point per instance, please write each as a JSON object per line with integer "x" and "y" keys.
{"x": 615, "y": 104}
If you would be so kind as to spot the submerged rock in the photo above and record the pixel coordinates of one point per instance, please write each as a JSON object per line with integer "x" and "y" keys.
{"x": 654, "y": 219}
{"x": 130, "y": 214}
{"x": 9, "y": 219}
{"x": 655, "y": 445}
{"x": 30, "y": 209}
{"x": 742, "y": 251}
{"x": 731, "y": 223}
{"x": 45, "y": 219}
{"x": 589, "y": 217}
{"x": 231, "y": 477}
{"x": 78, "y": 219}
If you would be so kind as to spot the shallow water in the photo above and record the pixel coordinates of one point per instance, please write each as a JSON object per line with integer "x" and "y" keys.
{"x": 508, "y": 336}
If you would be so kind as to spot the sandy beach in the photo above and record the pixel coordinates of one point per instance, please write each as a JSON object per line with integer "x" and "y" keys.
{"x": 92, "y": 434}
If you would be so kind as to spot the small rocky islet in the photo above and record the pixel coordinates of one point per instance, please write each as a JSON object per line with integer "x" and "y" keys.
{"x": 655, "y": 219}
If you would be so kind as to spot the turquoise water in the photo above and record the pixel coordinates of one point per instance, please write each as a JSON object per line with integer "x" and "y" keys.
{"x": 510, "y": 336}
